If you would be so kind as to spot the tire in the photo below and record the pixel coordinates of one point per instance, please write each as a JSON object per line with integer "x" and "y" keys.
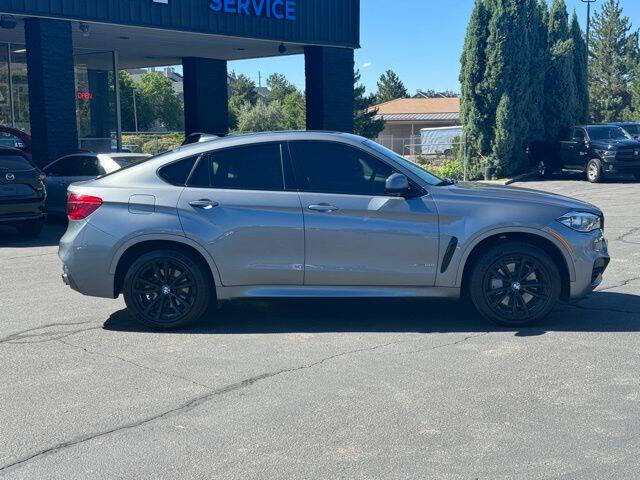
{"x": 594, "y": 171}
{"x": 31, "y": 229}
{"x": 515, "y": 284}
{"x": 167, "y": 302}
{"x": 544, "y": 169}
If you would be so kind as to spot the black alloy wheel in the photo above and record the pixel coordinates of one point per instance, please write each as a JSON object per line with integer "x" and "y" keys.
{"x": 166, "y": 289}
{"x": 515, "y": 284}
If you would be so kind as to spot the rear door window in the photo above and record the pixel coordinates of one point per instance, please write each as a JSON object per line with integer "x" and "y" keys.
{"x": 254, "y": 167}
{"x": 88, "y": 166}
{"x": 62, "y": 168}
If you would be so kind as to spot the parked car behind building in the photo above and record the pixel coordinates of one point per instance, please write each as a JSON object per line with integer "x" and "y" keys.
{"x": 79, "y": 167}
{"x": 22, "y": 192}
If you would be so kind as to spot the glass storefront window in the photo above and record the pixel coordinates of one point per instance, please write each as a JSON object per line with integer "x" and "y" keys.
{"x": 95, "y": 101}
{"x": 14, "y": 104}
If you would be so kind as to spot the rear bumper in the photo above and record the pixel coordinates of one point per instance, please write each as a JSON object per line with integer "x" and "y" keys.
{"x": 85, "y": 254}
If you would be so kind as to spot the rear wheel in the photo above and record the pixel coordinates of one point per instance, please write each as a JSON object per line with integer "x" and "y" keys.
{"x": 166, "y": 289}
{"x": 544, "y": 169}
{"x": 515, "y": 284}
{"x": 594, "y": 171}
{"x": 31, "y": 229}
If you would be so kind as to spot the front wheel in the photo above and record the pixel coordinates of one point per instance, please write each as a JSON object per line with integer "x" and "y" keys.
{"x": 167, "y": 289}
{"x": 594, "y": 171}
{"x": 515, "y": 284}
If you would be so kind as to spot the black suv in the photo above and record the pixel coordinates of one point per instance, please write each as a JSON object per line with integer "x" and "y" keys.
{"x": 597, "y": 150}
{"x": 22, "y": 193}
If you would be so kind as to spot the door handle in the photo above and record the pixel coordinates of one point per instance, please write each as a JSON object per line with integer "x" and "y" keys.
{"x": 323, "y": 207}
{"x": 204, "y": 204}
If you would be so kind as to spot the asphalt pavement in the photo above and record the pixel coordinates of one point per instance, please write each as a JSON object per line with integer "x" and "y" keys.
{"x": 322, "y": 389}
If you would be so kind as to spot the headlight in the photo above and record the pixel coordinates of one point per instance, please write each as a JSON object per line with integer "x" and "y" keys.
{"x": 581, "y": 221}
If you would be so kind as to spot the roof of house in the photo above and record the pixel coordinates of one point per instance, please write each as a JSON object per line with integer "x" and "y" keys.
{"x": 419, "y": 109}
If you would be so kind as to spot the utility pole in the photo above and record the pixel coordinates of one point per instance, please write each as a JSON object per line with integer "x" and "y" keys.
{"x": 588, "y": 2}
{"x": 135, "y": 110}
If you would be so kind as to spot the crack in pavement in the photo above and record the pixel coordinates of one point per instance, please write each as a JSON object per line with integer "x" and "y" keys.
{"x": 27, "y": 256}
{"x": 184, "y": 407}
{"x": 614, "y": 310}
{"x": 623, "y": 284}
{"x": 444, "y": 345}
{"x": 623, "y": 238}
{"x": 131, "y": 362}
{"x": 15, "y": 338}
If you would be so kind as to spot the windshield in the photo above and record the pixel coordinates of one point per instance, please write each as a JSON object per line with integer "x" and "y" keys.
{"x": 415, "y": 169}
{"x": 607, "y": 133}
{"x": 633, "y": 128}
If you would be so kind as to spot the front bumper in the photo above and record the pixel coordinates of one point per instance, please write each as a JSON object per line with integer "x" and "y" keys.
{"x": 590, "y": 257}
{"x": 611, "y": 165}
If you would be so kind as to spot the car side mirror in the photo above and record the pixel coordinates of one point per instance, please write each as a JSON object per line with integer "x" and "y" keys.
{"x": 397, "y": 184}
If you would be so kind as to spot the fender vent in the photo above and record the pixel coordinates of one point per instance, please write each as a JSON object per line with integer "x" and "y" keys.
{"x": 448, "y": 255}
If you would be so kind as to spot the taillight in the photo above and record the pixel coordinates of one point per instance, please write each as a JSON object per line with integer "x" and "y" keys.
{"x": 81, "y": 206}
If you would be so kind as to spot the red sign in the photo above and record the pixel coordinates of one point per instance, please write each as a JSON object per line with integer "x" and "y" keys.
{"x": 85, "y": 96}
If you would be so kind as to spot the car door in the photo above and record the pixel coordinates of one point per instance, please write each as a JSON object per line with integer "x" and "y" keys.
{"x": 579, "y": 157}
{"x": 355, "y": 233}
{"x": 56, "y": 184}
{"x": 239, "y": 203}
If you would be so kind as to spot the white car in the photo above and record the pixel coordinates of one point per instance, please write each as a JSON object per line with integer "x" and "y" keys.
{"x": 80, "y": 167}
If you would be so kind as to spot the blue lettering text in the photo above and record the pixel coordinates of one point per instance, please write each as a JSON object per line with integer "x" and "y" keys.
{"x": 215, "y": 5}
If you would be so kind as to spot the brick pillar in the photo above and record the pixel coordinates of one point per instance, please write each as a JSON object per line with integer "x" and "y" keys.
{"x": 329, "y": 81}
{"x": 206, "y": 99}
{"x": 52, "y": 98}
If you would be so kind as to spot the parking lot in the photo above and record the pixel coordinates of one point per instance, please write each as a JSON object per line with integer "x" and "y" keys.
{"x": 322, "y": 389}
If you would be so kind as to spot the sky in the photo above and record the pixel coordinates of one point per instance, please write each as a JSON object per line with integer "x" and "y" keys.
{"x": 421, "y": 40}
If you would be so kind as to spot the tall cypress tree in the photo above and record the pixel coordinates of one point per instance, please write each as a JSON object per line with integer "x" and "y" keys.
{"x": 613, "y": 58}
{"x": 474, "y": 112}
{"x": 540, "y": 56}
{"x": 560, "y": 84}
{"x": 581, "y": 114}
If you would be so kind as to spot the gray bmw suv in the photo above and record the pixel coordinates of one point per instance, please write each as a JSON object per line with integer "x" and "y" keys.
{"x": 312, "y": 214}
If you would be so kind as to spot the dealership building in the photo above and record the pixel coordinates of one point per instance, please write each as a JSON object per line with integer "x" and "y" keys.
{"x": 59, "y": 59}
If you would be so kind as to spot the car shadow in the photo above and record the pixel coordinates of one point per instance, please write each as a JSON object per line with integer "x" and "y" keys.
{"x": 51, "y": 234}
{"x": 601, "y": 312}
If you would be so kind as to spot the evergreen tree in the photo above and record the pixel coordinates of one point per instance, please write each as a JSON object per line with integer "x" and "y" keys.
{"x": 244, "y": 89}
{"x": 539, "y": 62}
{"x": 364, "y": 123}
{"x": 634, "y": 114}
{"x": 505, "y": 141}
{"x": 580, "y": 70}
{"x": 294, "y": 110}
{"x": 390, "y": 87}
{"x": 474, "y": 111}
{"x": 560, "y": 84}
{"x": 279, "y": 88}
{"x": 507, "y": 77}
{"x": 581, "y": 114}
{"x": 613, "y": 58}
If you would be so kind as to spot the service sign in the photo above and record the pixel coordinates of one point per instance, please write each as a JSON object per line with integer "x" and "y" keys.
{"x": 278, "y": 9}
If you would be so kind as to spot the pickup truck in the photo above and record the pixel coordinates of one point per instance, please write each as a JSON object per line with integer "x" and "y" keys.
{"x": 596, "y": 150}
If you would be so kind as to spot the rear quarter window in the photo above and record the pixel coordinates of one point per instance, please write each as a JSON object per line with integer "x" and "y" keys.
{"x": 177, "y": 173}
{"x": 15, "y": 163}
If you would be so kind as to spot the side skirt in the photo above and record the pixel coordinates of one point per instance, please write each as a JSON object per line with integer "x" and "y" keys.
{"x": 293, "y": 291}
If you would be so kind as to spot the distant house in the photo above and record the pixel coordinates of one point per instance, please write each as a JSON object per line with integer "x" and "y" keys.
{"x": 405, "y": 117}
